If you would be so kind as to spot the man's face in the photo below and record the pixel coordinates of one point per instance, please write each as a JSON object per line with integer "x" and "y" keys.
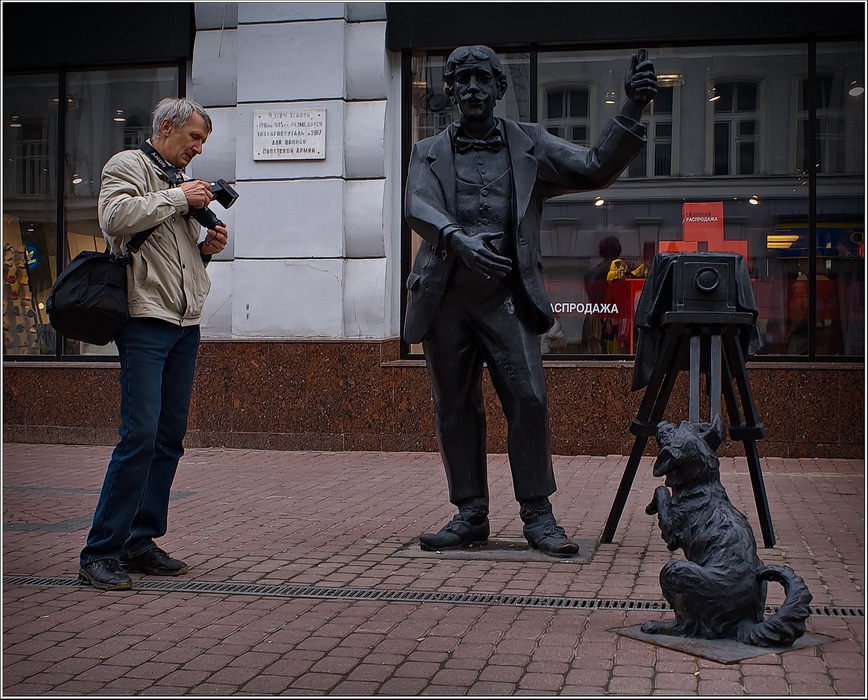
{"x": 475, "y": 90}
{"x": 180, "y": 146}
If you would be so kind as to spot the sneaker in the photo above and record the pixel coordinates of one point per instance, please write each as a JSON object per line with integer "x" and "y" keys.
{"x": 156, "y": 562}
{"x": 105, "y": 574}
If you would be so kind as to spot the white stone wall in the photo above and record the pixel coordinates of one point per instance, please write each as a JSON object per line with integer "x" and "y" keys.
{"x": 314, "y": 245}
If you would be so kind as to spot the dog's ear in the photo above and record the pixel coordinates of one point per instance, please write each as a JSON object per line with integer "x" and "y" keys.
{"x": 714, "y": 433}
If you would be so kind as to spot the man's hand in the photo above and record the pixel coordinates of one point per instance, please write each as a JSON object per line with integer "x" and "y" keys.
{"x": 198, "y": 193}
{"x": 215, "y": 241}
{"x": 640, "y": 84}
{"x": 478, "y": 255}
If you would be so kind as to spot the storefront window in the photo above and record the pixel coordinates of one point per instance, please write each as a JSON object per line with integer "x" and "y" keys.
{"x": 105, "y": 111}
{"x": 726, "y": 169}
{"x": 29, "y": 211}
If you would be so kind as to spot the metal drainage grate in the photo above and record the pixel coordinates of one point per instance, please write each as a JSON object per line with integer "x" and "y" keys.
{"x": 401, "y": 596}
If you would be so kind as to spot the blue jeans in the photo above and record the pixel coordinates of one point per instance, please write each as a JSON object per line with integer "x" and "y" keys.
{"x": 158, "y": 361}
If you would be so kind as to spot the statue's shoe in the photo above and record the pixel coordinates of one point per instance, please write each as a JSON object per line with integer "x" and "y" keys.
{"x": 457, "y": 533}
{"x": 548, "y": 537}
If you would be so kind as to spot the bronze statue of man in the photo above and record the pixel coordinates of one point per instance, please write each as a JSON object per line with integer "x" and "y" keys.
{"x": 475, "y": 194}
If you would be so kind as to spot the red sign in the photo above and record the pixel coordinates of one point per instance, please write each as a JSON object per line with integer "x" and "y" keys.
{"x": 702, "y": 227}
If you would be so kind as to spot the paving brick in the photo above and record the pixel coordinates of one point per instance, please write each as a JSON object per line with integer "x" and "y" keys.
{"x": 372, "y": 672}
{"x": 720, "y": 688}
{"x": 765, "y": 685}
{"x": 350, "y": 688}
{"x": 630, "y": 685}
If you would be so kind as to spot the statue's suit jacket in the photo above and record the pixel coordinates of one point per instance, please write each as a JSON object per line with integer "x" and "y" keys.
{"x": 543, "y": 166}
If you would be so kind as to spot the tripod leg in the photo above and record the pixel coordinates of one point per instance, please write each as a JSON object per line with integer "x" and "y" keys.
{"x": 748, "y": 431}
{"x": 624, "y": 488}
{"x": 714, "y": 371}
{"x": 695, "y": 368}
{"x": 650, "y": 412}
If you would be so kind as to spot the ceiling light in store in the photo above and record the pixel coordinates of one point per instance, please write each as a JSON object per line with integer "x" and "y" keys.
{"x": 856, "y": 89}
{"x": 71, "y": 102}
{"x": 15, "y": 122}
{"x": 599, "y": 201}
{"x": 754, "y": 199}
{"x": 713, "y": 94}
{"x": 76, "y": 179}
{"x": 119, "y": 116}
{"x": 610, "y": 97}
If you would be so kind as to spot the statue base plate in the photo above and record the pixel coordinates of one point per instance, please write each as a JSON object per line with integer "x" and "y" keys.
{"x": 502, "y": 549}
{"x": 723, "y": 651}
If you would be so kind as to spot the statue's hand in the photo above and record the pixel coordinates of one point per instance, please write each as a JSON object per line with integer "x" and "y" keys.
{"x": 640, "y": 83}
{"x": 478, "y": 255}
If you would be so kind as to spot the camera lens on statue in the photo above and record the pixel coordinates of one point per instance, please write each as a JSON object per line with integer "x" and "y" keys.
{"x": 707, "y": 279}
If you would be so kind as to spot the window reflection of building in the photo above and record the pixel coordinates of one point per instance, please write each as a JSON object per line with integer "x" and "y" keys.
{"x": 568, "y": 113}
{"x": 136, "y": 131}
{"x": 829, "y": 137}
{"x": 31, "y": 157}
{"x": 656, "y": 159}
{"x": 736, "y": 128}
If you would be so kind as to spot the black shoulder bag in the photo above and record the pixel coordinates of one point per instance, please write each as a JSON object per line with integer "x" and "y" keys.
{"x": 88, "y": 301}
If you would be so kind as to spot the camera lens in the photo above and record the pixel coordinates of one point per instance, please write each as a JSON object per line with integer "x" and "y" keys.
{"x": 207, "y": 218}
{"x": 707, "y": 280}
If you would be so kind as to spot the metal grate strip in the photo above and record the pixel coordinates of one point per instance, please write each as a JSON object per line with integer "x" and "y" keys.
{"x": 404, "y": 596}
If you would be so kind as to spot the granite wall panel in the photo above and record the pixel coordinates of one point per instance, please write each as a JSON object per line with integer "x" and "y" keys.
{"x": 360, "y": 396}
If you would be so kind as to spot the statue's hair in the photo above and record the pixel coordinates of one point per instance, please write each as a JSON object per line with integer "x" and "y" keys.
{"x": 178, "y": 111}
{"x": 475, "y": 53}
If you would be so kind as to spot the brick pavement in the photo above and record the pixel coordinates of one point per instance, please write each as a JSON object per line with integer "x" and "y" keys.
{"x": 347, "y": 521}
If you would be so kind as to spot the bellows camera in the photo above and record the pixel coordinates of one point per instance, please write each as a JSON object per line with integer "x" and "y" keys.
{"x": 225, "y": 196}
{"x": 704, "y": 282}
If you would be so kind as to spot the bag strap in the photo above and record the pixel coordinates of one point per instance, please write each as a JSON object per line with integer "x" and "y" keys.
{"x": 174, "y": 177}
{"x": 133, "y": 246}
{"x": 137, "y": 240}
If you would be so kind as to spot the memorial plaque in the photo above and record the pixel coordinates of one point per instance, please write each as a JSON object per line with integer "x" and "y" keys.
{"x": 297, "y": 134}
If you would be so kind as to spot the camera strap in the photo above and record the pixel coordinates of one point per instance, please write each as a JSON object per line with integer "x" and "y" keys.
{"x": 174, "y": 174}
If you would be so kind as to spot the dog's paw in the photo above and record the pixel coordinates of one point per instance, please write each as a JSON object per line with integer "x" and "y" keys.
{"x": 657, "y": 627}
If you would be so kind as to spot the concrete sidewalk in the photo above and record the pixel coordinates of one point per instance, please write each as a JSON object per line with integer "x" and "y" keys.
{"x": 306, "y": 579}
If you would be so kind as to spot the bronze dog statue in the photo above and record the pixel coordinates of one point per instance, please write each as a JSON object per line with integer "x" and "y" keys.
{"x": 720, "y": 591}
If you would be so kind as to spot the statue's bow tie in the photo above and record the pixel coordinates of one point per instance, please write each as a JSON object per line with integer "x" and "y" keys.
{"x": 464, "y": 144}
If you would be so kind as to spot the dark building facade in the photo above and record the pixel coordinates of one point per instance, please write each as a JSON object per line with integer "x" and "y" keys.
{"x": 755, "y": 146}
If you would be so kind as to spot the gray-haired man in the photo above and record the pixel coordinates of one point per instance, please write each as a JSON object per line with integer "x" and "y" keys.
{"x": 167, "y": 287}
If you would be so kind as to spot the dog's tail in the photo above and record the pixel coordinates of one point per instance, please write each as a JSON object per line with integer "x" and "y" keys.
{"x": 788, "y": 623}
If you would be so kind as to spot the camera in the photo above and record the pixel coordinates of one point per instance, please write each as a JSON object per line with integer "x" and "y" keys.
{"x": 705, "y": 282}
{"x": 225, "y": 196}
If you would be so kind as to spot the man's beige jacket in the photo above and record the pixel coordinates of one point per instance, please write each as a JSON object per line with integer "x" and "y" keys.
{"x": 167, "y": 278}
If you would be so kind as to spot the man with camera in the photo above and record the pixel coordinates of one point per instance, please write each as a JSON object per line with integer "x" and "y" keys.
{"x": 167, "y": 287}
